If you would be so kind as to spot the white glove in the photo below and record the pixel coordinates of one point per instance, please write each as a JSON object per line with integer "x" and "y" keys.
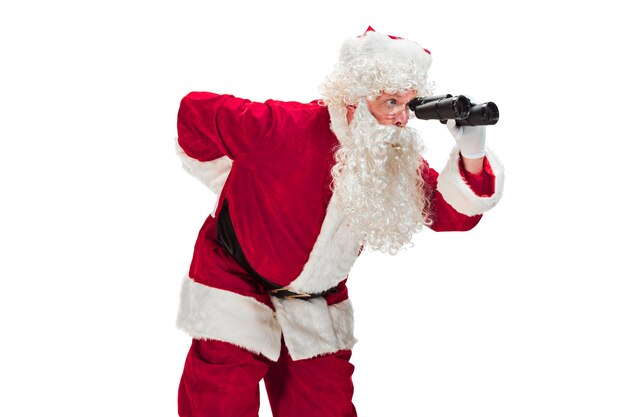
{"x": 469, "y": 139}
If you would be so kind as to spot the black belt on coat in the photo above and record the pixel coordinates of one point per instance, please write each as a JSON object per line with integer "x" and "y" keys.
{"x": 227, "y": 239}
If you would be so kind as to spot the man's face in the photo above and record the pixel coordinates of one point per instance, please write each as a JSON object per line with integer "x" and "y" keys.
{"x": 392, "y": 109}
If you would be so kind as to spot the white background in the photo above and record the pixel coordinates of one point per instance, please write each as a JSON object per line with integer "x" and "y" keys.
{"x": 523, "y": 316}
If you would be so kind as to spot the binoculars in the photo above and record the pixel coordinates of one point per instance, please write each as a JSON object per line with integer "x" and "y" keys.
{"x": 459, "y": 108}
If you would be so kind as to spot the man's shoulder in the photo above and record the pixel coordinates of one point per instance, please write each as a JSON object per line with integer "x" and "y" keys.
{"x": 311, "y": 114}
{"x": 315, "y": 106}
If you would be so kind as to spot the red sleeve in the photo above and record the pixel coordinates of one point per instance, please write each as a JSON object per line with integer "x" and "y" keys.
{"x": 483, "y": 183}
{"x": 443, "y": 216}
{"x": 212, "y": 125}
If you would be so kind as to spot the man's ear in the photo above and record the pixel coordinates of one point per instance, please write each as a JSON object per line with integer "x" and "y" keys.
{"x": 351, "y": 108}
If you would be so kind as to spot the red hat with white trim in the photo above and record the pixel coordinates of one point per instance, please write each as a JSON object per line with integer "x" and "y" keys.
{"x": 374, "y": 63}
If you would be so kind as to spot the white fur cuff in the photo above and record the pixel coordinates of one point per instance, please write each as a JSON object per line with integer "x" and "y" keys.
{"x": 213, "y": 173}
{"x": 458, "y": 193}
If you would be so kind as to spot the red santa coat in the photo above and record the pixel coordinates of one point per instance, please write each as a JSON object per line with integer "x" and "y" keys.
{"x": 271, "y": 163}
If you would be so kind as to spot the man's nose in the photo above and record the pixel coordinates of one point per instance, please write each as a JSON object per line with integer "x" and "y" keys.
{"x": 402, "y": 118}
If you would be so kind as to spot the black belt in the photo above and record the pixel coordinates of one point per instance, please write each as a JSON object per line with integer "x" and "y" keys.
{"x": 227, "y": 239}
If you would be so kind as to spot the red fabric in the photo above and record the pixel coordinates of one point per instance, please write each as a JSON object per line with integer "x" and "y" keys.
{"x": 213, "y": 266}
{"x": 222, "y": 380}
{"x": 443, "y": 216}
{"x": 483, "y": 183}
{"x": 279, "y": 187}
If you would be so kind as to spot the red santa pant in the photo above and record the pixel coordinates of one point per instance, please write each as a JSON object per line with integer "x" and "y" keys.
{"x": 222, "y": 380}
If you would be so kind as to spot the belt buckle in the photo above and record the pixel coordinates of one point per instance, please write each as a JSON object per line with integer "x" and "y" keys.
{"x": 293, "y": 295}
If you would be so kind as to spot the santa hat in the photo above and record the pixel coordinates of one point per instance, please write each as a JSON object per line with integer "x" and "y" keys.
{"x": 374, "y": 63}
{"x": 373, "y": 46}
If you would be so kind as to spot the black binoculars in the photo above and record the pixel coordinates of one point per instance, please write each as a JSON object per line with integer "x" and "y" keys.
{"x": 459, "y": 108}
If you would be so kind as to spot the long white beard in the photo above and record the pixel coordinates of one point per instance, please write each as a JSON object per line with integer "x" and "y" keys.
{"x": 376, "y": 180}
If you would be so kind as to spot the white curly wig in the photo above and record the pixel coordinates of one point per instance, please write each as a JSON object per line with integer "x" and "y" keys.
{"x": 375, "y": 63}
{"x": 376, "y": 172}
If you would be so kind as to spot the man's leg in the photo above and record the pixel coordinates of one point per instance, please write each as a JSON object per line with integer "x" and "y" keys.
{"x": 317, "y": 387}
{"x": 220, "y": 380}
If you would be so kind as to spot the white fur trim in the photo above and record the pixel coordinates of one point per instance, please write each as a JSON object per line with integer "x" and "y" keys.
{"x": 339, "y": 121}
{"x": 211, "y": 313}
{"x": 313, "y": 328}
{"x": 213, "y": 173}
{"x": 376, "y": 46}
{"x": 333, "y": 254}
{"x": 459, "y": 194}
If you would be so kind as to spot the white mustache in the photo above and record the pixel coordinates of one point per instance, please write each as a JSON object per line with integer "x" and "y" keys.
{"x": 388, "y": 136}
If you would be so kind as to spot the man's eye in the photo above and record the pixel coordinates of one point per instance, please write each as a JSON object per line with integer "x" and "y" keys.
{"x": 391, "y": 102}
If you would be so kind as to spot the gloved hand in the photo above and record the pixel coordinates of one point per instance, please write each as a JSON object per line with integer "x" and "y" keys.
{"x": 469, "y": 139}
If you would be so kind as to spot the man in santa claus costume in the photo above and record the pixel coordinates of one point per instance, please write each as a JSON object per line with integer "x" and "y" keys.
{"x": 302, "y": 188}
